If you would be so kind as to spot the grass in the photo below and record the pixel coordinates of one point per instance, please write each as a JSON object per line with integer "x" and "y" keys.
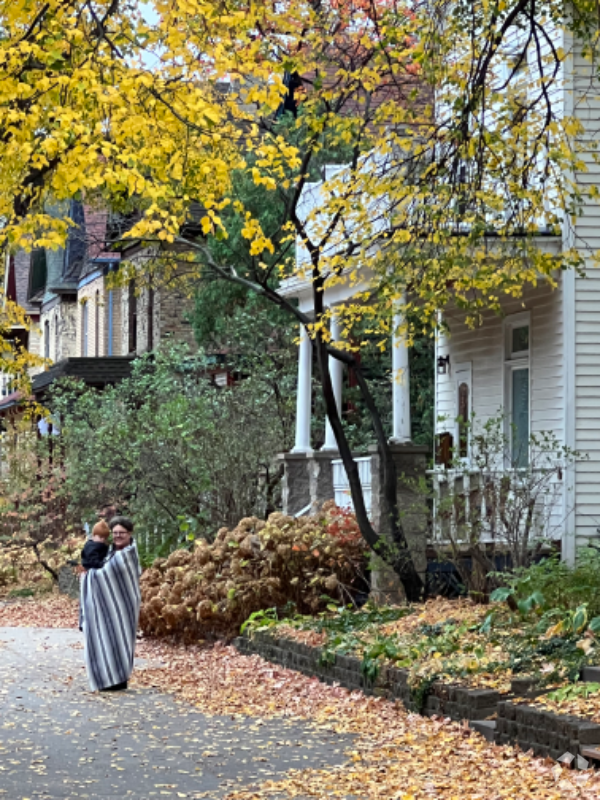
{"x": 25, "y": 591}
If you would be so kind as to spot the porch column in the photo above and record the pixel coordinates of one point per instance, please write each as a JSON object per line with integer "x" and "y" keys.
{"x": 401, "y": 432}
{"x": 304, "y": 395}
{"x": 336, "y": 370}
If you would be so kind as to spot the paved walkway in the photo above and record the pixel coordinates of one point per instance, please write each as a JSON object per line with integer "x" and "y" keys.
{"x": 59, "y": 740}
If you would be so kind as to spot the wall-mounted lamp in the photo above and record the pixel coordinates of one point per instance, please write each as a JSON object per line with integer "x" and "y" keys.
{"x": 443, "y": 365}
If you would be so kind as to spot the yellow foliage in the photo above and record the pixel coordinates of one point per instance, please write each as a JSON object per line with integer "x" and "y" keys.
{"x": 126, "y": 114}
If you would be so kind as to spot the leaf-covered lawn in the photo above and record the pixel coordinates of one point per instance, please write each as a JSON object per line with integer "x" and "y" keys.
{"x": 48, "y": 611}
{"x": 452, "y": 641}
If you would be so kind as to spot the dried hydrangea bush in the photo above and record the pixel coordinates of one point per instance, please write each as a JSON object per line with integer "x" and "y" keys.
{"x": 301, "y": 564}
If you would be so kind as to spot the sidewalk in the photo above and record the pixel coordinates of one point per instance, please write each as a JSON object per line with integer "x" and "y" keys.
{"x": 58, "y": 740}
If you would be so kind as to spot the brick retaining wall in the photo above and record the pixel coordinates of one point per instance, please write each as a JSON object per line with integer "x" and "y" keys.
{"x": 456, "y": 702}
{"x": 544, "y": 732}
{"x": 532, "y": 728}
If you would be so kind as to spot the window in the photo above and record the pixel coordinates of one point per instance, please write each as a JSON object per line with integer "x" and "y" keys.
{"x": 38, "y": 272}
{"x": 47, "y": 339}
{"x": 84, "y": 328}
{"x": 517, "y": 383}
{"x": 464, "y": 409}
{"x": 132, "y": 313}
{"x": 56, "y": 335}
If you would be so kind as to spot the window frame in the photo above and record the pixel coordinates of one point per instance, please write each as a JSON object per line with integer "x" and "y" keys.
{"x": 97, "y": 323}
{"x": 514, "y": 361}
{"x": 47, "y": 339}
{"x": 84, "y": 328}
{"x": 109, "y": 323}
{"x": 56, "y": 336}
{"x": 132, "y": 312}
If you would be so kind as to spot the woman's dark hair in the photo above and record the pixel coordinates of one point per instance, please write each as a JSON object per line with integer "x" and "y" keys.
{"x": 124, "y": 522}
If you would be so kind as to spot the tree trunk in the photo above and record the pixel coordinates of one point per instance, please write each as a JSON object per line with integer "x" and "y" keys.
{"x": 44, "y": 563}
{"x": 395, "y": 553}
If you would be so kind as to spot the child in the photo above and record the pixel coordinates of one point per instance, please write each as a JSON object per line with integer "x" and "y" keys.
{"x": 96, "y": 548}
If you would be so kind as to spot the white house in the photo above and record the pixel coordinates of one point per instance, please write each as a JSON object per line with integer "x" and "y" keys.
{"x": 540, "y": 360}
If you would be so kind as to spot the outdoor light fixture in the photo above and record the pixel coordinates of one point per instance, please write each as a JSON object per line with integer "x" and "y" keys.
{"x": 443, "y": 365}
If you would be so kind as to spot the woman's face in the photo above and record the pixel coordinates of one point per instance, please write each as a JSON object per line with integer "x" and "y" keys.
{"x": 121, "y": 537}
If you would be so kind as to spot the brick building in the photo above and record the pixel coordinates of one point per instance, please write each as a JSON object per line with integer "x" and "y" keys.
{"x": 76, "y": 312}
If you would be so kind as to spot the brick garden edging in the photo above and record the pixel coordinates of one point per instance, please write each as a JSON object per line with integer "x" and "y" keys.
{"x": 544, "y": 732}
{"x": 454, "y": 701}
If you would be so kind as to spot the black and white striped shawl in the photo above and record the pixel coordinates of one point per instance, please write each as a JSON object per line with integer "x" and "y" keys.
{"x": 110, "y": 607}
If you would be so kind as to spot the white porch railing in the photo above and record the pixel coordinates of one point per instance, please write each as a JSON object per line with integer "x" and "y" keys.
{"x": 468, "y": 503}
{"x": 341, "y": 487}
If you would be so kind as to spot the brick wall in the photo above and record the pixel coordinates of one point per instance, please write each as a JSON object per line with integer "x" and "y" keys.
{"x": 62, "y": 318}
{"x": 117, "y": 315}
{"x": 147, "y": 333}
{"x": 454, "y": 701}
{"x": 172, "y": 308}
{"x": 544, "y": 732}
{"x": 169, "y": 310}
{"x": 168, "y": 321}
{"x": 93, "y": 297}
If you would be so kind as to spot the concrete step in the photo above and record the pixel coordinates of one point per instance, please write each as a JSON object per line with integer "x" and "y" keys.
{"x": 590, "y": 674}
{"x": 486, "y": 727}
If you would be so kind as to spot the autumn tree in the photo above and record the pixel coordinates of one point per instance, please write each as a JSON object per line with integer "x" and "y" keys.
{"x": 452, "y": 155}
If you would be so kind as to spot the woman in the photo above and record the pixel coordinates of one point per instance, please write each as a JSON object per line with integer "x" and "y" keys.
{"x": 110, "y": 606}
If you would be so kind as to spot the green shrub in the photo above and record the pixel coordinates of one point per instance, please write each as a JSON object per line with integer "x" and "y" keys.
{"x": 553, "y": 584}
{"x": 25, "y": 592}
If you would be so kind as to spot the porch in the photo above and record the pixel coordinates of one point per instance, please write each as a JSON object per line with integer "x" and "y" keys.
{"x": 514, "y": 367}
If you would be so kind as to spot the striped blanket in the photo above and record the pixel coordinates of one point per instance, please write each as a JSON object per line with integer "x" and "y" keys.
{"x": 110, "y": 606}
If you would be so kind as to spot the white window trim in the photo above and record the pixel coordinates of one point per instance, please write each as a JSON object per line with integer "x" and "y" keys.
{"x": 520, "y": 320}
{"x": 463, "y": 373}
{"x": 84, "y": 328}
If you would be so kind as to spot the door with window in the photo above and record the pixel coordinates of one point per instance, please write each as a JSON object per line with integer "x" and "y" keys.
{"x": 518, "y": 388}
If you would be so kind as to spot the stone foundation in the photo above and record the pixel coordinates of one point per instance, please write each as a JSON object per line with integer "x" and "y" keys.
{"x": 307, "y": 481}
{"x": 68, "y": 582}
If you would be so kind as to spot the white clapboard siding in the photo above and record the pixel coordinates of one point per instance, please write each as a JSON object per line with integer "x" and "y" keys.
{"x": 483, "y": 348}
{"x": 586, "y": 106}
